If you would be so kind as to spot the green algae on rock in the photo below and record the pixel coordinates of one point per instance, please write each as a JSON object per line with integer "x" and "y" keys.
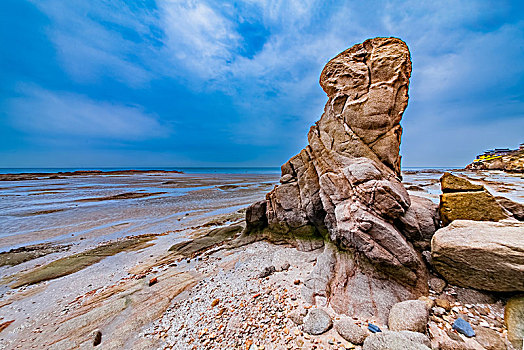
{"x": 76, "y": 262}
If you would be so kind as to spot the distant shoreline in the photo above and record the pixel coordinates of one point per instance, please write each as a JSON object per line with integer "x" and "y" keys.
{"x": 62, "y": 174}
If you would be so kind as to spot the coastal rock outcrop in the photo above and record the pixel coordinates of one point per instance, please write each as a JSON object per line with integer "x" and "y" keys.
{"x": 344, "y": 188}
{"x": 507, "y": 160}
{"x": 463, "y": 200}
{"x": 482, "y": 255}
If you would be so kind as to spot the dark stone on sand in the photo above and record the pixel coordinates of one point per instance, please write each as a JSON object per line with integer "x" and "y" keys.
{"x": 267, "y": 271}
{"x": 211, "y": 239}
{"x": 97, "y": 339}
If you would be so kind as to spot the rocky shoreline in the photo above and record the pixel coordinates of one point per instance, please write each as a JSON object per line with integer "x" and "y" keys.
{"x": 339, "y": 255}
{"x": 61, "y": 175}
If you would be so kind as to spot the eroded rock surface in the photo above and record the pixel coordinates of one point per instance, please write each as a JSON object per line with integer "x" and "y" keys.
{"x": 482, "y": 255}
{"x": 344, "y": 187}
{"x": 462, "y": 200}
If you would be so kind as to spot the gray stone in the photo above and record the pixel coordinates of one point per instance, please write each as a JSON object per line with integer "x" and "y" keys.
{"x": 297, "y": 316}
{"x": 350, "y": 331}
{"x": 256, "y": 216}
{"x": 462, "y": 326}
{"x": 395, "y": 341}
{"x": 316, "y": 322}
{"x": 481, "y": 255}
{"x": 410, "y": 315}
{"x": 267, "y": 271}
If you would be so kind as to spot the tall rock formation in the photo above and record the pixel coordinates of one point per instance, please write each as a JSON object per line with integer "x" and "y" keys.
{"x": 344, "y": 187}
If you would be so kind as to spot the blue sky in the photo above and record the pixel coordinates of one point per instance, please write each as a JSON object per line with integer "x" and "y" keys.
{"x": 215, "y": 83}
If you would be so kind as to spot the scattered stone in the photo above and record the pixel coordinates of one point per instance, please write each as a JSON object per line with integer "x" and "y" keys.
{"x": 489, "y": 338}
{"x": 439, "y": 311}
{"x": 429, "y": 302}
{"x": 462, "y": 326}
{"x": 285, "y": 266}
{"x": 450, "y": 183}
{"x": 373, "y": 328}
{"x": 514, "y": 318}
{"x": 393, "y": 341}
{"x": 481, "y": 255}
{"x": 97, "y": 337}
{"x": 410, "y": 315}
{"x": 152, "y": 281}
{"x": 516, "y": 209}
{"x": 350, "y": 331}
{"x": 443, "y": 303}
{"x": 296, "y": 282}
{"x": 215, "y": 302}
{"x": 317, "y": 321}
{"x": 437, "y": 284}
{"x": 297, "y": 316}
{"x": 268, "y": 270}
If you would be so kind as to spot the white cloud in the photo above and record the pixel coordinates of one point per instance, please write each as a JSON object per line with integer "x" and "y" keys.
{"x": 51, "y": 113}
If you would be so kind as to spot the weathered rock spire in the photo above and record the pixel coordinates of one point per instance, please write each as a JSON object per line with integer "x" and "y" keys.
{"x": 344, "y": 187}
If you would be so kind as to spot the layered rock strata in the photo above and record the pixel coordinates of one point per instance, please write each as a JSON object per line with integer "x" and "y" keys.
{"x": 481, "y": 255}
{"x": 462, "y": 200}
{"x": 344, "y": 188}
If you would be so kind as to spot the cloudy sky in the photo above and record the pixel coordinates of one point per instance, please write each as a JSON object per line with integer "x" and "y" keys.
{"x": 214, "y": 83}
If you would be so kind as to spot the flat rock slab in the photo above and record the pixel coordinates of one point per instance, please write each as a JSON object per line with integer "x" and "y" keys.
{"x": 480, "y": 254}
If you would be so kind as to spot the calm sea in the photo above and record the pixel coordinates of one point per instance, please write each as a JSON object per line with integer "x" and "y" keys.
{"x": 191, "y": 170}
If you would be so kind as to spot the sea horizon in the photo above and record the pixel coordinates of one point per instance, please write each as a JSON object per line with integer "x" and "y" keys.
{"x": 186, "y": 170}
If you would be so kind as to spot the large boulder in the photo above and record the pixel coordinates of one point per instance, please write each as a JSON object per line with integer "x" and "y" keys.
{"x": 514, "y": 318}
{"x": 396, "y": 341}
{"x": 317, "y": 321}
{"x": 345, "y": 187}
{"x": 256, "y": 219}
{"x": 420, "y": 222}
{"x": 462, "y": 200}
{"x": 481, "y": 255}
{"x": 409, "y": 315}
{"x": 350, "y": 331}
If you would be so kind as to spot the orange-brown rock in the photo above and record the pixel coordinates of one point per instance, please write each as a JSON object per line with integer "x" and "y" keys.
{"x": 463, "y": 200}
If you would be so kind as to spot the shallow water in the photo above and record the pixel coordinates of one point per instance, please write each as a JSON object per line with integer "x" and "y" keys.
{"x": 102, "y": 207}
{"x": 88, "y": 209}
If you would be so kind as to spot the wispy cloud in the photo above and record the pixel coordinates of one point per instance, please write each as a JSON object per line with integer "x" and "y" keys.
{"x": 265, "y": 57}
{"x": 51, "y": 114}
